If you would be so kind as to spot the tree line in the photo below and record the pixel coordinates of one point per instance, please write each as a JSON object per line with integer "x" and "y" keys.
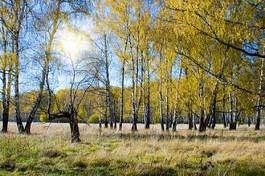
{"x": 201, "y": 61}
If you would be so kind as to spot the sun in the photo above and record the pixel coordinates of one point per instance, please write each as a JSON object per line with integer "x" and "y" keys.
{"x": 71, "y": 43}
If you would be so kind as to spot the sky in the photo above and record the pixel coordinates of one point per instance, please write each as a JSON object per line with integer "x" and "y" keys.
{"x": 72, "y": 44}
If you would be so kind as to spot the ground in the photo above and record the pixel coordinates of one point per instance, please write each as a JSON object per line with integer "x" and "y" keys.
{"x": 48, "y": 151}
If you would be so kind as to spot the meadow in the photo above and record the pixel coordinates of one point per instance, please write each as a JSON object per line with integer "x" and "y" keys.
{"x": 48, "y": 151}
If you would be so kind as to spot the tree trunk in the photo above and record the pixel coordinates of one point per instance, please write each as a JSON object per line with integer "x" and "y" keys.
{"x": 7, "y": 98}
{"x": 49, "y": 94}
{"x": 134, "y": 92}
{"x": 213, "y": 106}
{"x": 167, "y": 104}
{"x": 75, "y": 135}
{"x": 258, "y": 114}
{"x": 135, "y": 65}
{"x": 142, "y": 98}
{"x": 144, "y": 107}
{"x": 148, "y": 107}
{"x": 224, "y": 109}
{"x": 177, "y": 108}
{"x": 115, "y": 113}
{"x": 203, "y": 125}
{"x": 4, "y": 86}
{"x": 17, "y": 102}
{"x": 5, "y": 120}
{"x": 232, "y": 124}
{"x": 122, "y": 86}
{"x": 99, "y": 122}
{"x": 122, "y": 95}
{"x": 34, "y": 110}
{"x": 213, "y": 121}
{"x": 190, "y": 122}
{"x": 161, "y": 106}
{"x": 134, "y": 115}
{"x": 4, "y": 114}
{"x": 259, "y": 102}
{"x": 45, "y": 73}
{"x": 99, "y": 104}
{"x": 108, "y": 88}
{"x": 249, "y": 121}
{"x": 174, "y": 123}
{"x": 106, "y": 112}
{"x": 161, "y": 94}
{"x": 233, "y": 104}
{"x": 111, "y": 113}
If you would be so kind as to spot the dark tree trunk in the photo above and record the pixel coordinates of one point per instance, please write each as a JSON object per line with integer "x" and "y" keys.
{"x": 122, "y": 95}
{"x": 106, "y": 113}
{"x": 134, "y": 114}
{"x": 190, "y": 120}
{"x": 161, "y": 119}
{"x": 249, "y": 121}
{"x": 148, "y": 108}
{"x": 111, "y": 112}
{"x": 99, "y": 123}
{"x": 7, "y": 99}
{"x": 213, "y": 119}
{"x": 167, "y": 104}
{"x": 5, "y": 117}
{"x": 38, "y": 100}
{"x": 45, "y": 74}
{"x": 134, "y": 87}
{"x": 115, "y": 113}
{"x": 134, "y": 125}
{"x": 257, "y": 126}
{"x": 99, "y": 104}
{"x": 48, "y": 55}
{"x": 108, "y": 88}
{"x": 223, "y": 104}
{"x": 161, "y": 105}
{"x": 143, "y": 88}
{"x": 224, "y": 120}
{"x": 259, "y": 102}
{"x": 203, "y": 125}
{"x": 75, "y": 135}
{"x": 5, "y": 121}
{"x": 49, "y": 105}
{"x": 122, "y": 87}
{"x": 4, "y": 89}
{"x": 233, "y": 103}
{"x": 203, "y": 121}
{"x": 232, "y": 124}
{"x": 174, "y": 123}
{"x": 17, "y": 102}
{"x": 177, "y": 108}
{"x": 213, "y": 107}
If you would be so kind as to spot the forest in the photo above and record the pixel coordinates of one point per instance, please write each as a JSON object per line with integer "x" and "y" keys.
{"x": 132, "y": 70}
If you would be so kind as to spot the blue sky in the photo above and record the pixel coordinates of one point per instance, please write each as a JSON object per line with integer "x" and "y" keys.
{"x": 86, "y": 26}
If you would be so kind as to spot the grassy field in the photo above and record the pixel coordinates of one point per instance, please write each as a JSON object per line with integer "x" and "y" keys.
{"x": 48, "y": 151}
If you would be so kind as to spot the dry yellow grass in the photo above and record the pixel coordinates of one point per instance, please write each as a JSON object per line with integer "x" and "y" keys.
{"x": 147, "y": 152}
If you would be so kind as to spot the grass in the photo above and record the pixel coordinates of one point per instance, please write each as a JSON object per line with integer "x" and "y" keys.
{"x": 48, "y": 151}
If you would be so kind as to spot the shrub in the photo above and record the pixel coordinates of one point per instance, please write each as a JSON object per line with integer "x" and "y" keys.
{"x": 93, "y": 118}
{"x": 43, "y": 117}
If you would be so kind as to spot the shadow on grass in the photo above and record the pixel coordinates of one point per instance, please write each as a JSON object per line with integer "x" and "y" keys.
{"x": 176, "y": 135}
